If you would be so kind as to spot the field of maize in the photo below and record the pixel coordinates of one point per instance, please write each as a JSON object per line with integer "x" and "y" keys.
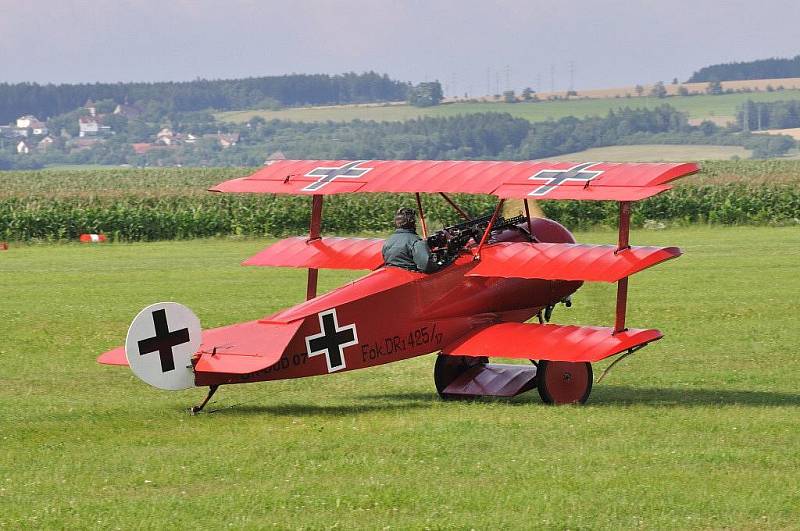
{"x": 172, "y": 203}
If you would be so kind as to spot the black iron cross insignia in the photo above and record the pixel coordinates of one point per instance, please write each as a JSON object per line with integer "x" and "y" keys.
{"x": 327, "y": 175}
{"x": 555, "y": 177}
{"x": 331, "y": 340}
{"x": 163, "y": 341}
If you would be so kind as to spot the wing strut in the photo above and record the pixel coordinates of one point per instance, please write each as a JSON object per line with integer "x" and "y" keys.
{"x": 457, "y": 208}
{"x": 422, "y": 216}
{"x": 622, "y": 284}
{"x": 314, "y": 234}
{"x": 485, "y": 236}
{"x": 528, "y": 215}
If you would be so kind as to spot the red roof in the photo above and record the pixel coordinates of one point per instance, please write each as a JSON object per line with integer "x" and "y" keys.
{"x": 141, "y": 149}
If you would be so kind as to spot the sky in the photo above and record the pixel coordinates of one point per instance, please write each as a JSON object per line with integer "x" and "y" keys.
{"x": 474, "y": 47}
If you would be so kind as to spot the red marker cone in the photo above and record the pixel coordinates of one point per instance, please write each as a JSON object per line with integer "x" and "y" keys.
{"x": 93, "y": 238}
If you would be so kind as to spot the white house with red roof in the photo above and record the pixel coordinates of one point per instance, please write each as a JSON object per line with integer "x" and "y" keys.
{"x": 88, "y": 126}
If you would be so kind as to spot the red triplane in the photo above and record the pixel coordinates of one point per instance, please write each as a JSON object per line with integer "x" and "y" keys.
{"x": 496, "y": 274}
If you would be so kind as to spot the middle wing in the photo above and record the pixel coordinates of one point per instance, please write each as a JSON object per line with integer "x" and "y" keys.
{"x": 550, "y": 342}
{"x": 321, "y": 253}
{"x": 568, "y": 261}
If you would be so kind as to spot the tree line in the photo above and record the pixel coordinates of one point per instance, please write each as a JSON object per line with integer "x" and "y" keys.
{"x": 773, "y": 68}
{"x": 755, "y": 116}
{"x": 49, "y": 100}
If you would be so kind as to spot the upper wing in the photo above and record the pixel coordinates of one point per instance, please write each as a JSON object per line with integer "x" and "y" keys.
{"x": 549, "y": 342}
{"x": 321, "y": 253}
{"x": 568, "y": 261}
{"x": 506, "y": 179}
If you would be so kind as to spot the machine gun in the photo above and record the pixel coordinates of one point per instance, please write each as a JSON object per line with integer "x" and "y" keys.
{"x": 447, "y": 243}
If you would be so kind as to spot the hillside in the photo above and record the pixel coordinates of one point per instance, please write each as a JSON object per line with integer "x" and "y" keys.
{"x": 719, "y": 108}
{"x": 674, "y": 89}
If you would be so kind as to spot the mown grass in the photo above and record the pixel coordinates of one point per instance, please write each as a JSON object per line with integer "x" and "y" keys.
{"x": 699, "y": 430}
{"x": 698, "y": 107}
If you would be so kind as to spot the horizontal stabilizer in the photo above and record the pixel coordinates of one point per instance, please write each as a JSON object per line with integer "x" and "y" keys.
{"x": 568, "y": 261}
{"x": 321, "y": 253}
{"x": 549, "y": 342}
{"x": 244, "y": 348}
{"x": 114, "y": 356}
{"x": 235, "y": 349}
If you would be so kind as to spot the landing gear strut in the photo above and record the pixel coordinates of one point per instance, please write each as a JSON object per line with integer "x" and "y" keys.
{"x": 198, "y": 408}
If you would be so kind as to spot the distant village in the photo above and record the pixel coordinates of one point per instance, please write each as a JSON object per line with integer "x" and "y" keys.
{"x": 29, "y": 134}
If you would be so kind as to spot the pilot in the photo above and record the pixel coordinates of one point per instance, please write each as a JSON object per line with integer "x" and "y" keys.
{"x": 405, "y": 248}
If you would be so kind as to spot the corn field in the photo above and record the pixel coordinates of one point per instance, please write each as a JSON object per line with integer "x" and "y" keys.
{"x": 172, "y": 203}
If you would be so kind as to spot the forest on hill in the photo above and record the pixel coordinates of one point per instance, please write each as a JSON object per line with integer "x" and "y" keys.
{"x": 773, "y": 68}
{"x": 49, "y": 100}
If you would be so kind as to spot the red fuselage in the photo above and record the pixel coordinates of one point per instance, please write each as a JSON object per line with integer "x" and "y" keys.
{"x": 392, "y": 314}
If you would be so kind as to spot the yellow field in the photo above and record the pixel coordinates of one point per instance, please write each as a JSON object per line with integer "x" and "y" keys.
{"x": 794, "y": 132}
{"x": 672, "y": 90}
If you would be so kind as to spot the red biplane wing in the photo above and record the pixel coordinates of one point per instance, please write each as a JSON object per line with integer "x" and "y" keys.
{"x": 549, "y": 342}
{"x": 506, "y": 179}
{"x": 321, "y": 253}
{"x": 568, "y": 261}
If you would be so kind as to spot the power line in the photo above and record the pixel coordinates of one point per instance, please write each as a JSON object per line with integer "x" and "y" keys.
{"x": 572, "y": 75}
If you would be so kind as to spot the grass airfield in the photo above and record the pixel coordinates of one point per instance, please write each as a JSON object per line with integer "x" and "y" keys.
{"x": 699, "y": 430}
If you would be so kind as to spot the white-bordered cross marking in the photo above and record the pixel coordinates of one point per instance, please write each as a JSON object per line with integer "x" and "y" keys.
{"x": 331, "y": 340}
{"x": 329, "y": 174}
{"x": 554, "y": 178}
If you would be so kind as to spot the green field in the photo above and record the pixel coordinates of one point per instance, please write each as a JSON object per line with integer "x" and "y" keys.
{"x": 699, "y": 430}
{"x": 658, "y": 153}
{"x": 698, "y": 107}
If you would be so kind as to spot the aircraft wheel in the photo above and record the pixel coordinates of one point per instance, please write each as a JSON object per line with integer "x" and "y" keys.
{"x": 448, "y": 368}
{"x": 563, "y": 382}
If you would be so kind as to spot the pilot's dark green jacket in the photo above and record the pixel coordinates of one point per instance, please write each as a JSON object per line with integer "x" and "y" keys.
{"x": 406, "y": 249}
